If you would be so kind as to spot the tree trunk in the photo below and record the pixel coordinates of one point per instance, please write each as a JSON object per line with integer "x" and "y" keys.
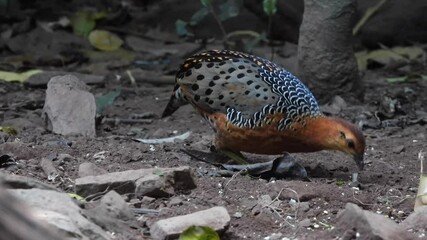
{"x": 326, "y": 61}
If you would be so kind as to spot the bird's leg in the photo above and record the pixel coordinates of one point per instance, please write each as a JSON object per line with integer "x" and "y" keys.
{"x": 235, "y": 156}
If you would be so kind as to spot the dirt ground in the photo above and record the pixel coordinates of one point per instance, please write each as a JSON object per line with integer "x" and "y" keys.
{"x": 388, "y": 183}
{"x": 393, "y": 117}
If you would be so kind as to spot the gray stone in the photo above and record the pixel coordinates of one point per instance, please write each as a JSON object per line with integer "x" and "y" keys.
{"x": 22, "y": 182}
{"x": 90, "y": 169}
{"x": 152, "y": 182}
{"x": 368, "y": 225}
{"x": 116, "y": 206}
{"x": 69, "y": 216}
{"x": 416, "y": 220}
{"x": 17, "y": 150}
{"x": 304, "y": 223}
{"x": 69, "y": 108}
{"x": 114, "y": 214}
{"x": 175, "y": 201}
{"x": 217, "y": 218}
{"x": 49, "y": 169}
{"x": 62, "y": 223}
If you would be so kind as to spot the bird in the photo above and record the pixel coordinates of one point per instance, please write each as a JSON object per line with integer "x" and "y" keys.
{"x": 253, "y": 105}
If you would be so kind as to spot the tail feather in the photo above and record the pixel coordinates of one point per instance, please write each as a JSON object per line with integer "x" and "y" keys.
{"x": 174, "y": 103}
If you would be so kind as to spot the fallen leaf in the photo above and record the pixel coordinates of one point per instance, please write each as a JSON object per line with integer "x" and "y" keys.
{"x": 164, "y": 140}
{"x": 83, "y": 22}
{"x": 105, "y": 40}
{"x": 386, "y": 56}
{"x": 77, "y": 197}
{"x": 199, "y": 233}
{"x": 18, "y": 77}
{"x": 8, "y": 130}
{"x": 106, "y": 100}
{"x": 406, "y": 78}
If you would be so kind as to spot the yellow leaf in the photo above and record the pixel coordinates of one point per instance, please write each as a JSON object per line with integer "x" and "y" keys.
{"x": 8, "y": 130}
{"x": 385, "y": 56}
{"x": 18, "y": 77}
{"x": 105, "y": 40}
{"x": 77, "y": 197}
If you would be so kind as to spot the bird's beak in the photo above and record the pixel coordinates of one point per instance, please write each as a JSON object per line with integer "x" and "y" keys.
{"x": 359, "y": 161}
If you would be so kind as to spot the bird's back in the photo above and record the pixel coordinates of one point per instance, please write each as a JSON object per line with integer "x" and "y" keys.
{"x": 244, "y": 87}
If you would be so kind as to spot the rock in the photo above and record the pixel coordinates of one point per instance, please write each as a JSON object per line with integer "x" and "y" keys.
{"x": 152, "y": 182}
{"x": 329, "y": 66}
{"x": 49, "y": 169}
{"x": 90, "y": 169}
{"x": 69, "y": 108}
{"x": 63, "y": 223}
{"x": 17, "y": 150}
{"x": 175, "y": 201}
{"x": 19, "y": 222}
{"x": 399, "y": 149}
{"x": 116, "y": 206}
{"x": 68, "y": 217}
{"x": 355, "y": 222}
{"x": 217, "y": 218}
{"x": 21, "y": 182}
{"x": 304, "y": 223}
{"x": 301, "y": 207}
{"x": 63, "y": 157}
{"x": 335, "y": 106}
{"x": 42, "y": 79}
{"x": 114, "y": 214}
{"x": 416, "y": 220}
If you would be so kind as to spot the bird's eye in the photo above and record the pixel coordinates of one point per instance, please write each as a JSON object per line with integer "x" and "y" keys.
{"x": 350, "y": 144}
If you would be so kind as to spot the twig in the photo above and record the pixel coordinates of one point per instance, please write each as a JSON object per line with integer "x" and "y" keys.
{"x": 231, "y": 179}
{"x": 368, "y": 14}
{"x": 126, "y": 120}
{"x": 145, "y": 211}
{"x": 224, "y": 34}
{"x": 132, "y": 79}
{"x": 277, "y": 199}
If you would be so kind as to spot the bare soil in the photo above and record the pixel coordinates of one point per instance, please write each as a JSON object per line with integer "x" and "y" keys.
{"x": 387, "y": 185}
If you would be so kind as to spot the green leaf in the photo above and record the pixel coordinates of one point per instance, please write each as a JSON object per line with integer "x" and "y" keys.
{"x": 230, "y": 9}
{"x": 158, "y": 172}
{"x": 206, "y": 3}
{"x": 83, "y": 23}
{"x": 181, "y": 28}
{"x": 105, "y": 40}
{"x": 199, "y": 233}
{"x": 199, "y": 16}
{"x": 106, "y": 100}
{"x": 340, "y": 183}
{"x": 269, "y": 7}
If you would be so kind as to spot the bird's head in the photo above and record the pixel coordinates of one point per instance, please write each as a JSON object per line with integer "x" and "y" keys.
{"x": 347, "y": 138}
{"x": 337, "y": 134}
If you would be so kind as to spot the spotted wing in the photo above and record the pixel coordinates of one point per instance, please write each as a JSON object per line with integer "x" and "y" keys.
{"x": 244, "y": 87}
